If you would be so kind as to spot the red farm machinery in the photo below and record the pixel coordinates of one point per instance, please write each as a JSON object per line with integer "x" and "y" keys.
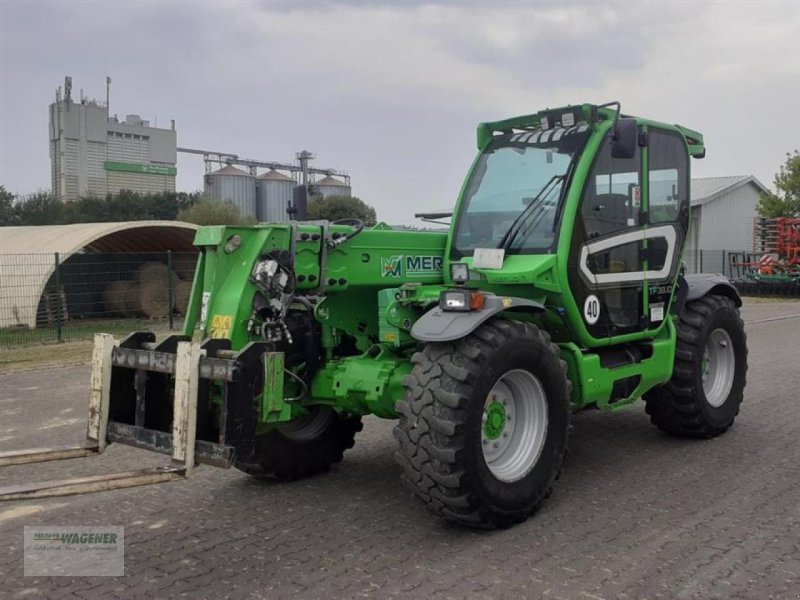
{"x": 773, "y": 268}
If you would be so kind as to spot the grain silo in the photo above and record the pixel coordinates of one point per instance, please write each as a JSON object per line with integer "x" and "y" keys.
{"x": 328, "y": 186}
{"x": 273, "y": 195}
{"x": 230, "y": 184}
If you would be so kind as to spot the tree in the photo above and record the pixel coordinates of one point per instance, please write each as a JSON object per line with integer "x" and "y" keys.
{"x": 334, "y": 208}
{"x": 7, "y": 213}
{"x": 214, "y": 213}
{"x": 786, "y": 202}
{"x": 128, "y": 206}
{"x": 41, "y": 208}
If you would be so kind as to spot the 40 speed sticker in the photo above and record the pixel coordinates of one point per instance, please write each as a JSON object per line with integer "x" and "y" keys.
{"x": 591, "y": 309}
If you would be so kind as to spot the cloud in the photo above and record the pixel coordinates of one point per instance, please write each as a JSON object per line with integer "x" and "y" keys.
{"x": 392, "y": 91}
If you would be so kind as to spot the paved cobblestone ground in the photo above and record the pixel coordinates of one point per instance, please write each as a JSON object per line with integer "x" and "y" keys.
{"x": 636, "y": 514}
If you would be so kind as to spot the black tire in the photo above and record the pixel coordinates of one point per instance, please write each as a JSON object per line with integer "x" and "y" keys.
{"x": 680, "y": 406}
{"x": 303, "y": 447}
{"x": 440, "y": 424}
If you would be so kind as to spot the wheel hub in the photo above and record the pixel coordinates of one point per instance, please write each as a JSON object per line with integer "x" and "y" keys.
{"x": 705, "y": 364}
{"x": 514, "y": 425}
{"x": 494, "y": 421}
{"x": 309, "y": 427}
{"x": 718, "y": 367}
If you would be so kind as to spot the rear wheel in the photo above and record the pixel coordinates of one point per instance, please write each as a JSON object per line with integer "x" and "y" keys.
{"x": 703, "y": 397}
{"x": 483, "y": 424}
{"x": 304, "y": 446}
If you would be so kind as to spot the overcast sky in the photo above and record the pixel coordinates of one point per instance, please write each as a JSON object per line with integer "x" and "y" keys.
{"x": 391, "y": 91}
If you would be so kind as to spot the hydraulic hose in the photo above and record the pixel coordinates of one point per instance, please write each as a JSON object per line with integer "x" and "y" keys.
{"x": 356, "y": 224}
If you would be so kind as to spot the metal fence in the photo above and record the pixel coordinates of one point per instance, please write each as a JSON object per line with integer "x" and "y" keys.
{"x": 53, "y": 297}
{"x": 734, "y": 264}
{"x": 713, "y": 261}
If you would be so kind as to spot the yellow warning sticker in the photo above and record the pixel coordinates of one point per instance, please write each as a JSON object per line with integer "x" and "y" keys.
{"x": 220, "y": 326}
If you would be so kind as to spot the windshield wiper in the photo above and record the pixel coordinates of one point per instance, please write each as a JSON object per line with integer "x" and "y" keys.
{"x": 562, "y": 200}
{"x": 517, "y": 224}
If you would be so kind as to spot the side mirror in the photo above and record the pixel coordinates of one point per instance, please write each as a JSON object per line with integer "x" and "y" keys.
{"x": 624, "y": 139}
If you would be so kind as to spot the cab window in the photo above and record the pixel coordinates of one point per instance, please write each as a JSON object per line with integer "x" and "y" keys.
{"x": 668, "y": 179}
{"x": 612, "y": 202}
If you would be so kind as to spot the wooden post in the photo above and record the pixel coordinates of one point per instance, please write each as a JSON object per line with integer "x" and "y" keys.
{"x": 184, "y": 419}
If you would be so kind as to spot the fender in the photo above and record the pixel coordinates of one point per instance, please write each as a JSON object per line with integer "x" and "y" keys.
{"x": 438, "y": 325}
{"x": 701, "y": 284}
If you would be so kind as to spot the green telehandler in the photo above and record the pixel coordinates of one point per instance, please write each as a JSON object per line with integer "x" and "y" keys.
{"x": 558, "y": 287}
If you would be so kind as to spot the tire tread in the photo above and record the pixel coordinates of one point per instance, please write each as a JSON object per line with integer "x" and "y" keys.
{"x": 433, "y": 414}
{"x": 674, "y": 407}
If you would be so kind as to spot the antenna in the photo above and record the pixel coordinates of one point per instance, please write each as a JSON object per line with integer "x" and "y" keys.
{"x": 108, "y": 92}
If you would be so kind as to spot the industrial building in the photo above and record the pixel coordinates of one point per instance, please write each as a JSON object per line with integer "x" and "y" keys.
{"x": 330, "y": 186}
{"x": 276, "y": 195}
{"x": 233, "y": 185}
{"x": 94, "y": 153}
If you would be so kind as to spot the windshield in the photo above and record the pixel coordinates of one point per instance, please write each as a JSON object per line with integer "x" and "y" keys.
{"x": 513, "y": 197}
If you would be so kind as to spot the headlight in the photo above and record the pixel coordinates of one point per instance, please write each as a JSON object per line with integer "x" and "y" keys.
{"x": 461, "y": 300}
{"x": 457, "y": 300}
{"x": 459, "y": 272}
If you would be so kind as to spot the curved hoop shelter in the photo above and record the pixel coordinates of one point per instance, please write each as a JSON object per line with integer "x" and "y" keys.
{"x": 27, "y": 256}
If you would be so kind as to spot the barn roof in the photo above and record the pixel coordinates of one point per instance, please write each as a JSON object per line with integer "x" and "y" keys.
{"x": 706, "y": 189}
{"x": 129, "y": 236}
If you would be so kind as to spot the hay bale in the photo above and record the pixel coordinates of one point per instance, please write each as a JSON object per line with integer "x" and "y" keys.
{"x": 122, "y": 298}
{"x": 184, "y": 266}
{"x": 154, "y": 271}
{"x": 153, "y": 299}
{"x": 183, "y": 290}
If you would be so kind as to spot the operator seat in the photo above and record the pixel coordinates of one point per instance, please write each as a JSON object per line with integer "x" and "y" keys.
{"x": 607, "y": 213}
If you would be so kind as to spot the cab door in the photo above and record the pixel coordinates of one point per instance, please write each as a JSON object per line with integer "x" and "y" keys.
{"x": 667, "y": 217}
{"x": 606, "y": 263}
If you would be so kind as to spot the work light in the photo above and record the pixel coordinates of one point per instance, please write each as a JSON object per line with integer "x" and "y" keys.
{"x": 459, "y": 272}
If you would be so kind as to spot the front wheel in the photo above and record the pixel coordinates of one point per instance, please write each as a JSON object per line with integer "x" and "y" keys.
{"x": 303, "y": 447}
{"x": 483, "y": 424}
{"x": 703, "y": 397}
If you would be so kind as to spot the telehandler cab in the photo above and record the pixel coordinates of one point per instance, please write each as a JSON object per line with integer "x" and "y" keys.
{"x": 558, "y": 287}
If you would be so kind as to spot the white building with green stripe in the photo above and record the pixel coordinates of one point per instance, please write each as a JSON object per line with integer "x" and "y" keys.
{"x": 92, "y": 153}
